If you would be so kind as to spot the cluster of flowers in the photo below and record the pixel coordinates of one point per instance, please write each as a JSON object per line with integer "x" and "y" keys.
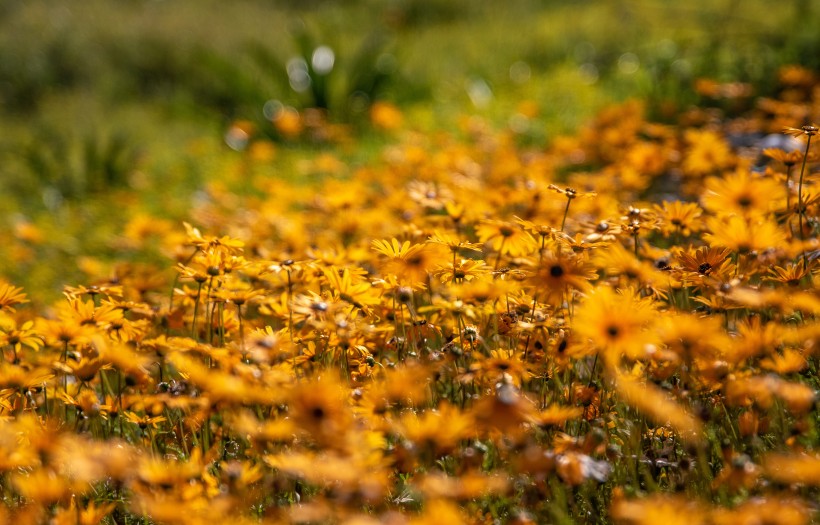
{"x": 620, "y": 326}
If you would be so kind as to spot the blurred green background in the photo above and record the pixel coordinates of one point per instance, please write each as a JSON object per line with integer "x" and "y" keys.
{"x": 113, "y": 107}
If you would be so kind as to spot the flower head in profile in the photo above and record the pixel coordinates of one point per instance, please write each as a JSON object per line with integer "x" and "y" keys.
{"x": 571, "y": 193}
{"x": 541, "y": 230}
{"x": 410, "y": 263}
{"x": 11, "y": 296}
{"x": 808, "y": 130}
{"x": 506, "y": 238}
{"x": 462, "y": 270}
{"x": 226, "y": 245}
{"x": 143, "y": 421}
{"x": 788, "y": 158}
{"x": 453, "y": 242}
{"x": 790, "y": 274}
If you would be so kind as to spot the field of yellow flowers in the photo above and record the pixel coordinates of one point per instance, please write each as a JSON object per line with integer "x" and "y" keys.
{"x": 617, "y": 328}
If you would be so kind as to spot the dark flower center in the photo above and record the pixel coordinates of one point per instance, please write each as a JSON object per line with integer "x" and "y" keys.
{"x": 506, "y": 231}
{"x": 704, "y": 268}
{"x": 613, "y": 331}
{"x": 556, "y": 270}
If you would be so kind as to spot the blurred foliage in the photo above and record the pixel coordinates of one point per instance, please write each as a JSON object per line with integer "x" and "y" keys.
{"x": 101, "y": 96}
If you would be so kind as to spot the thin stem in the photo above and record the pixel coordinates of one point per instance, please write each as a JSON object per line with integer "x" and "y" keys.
{"x": 566, "y": 211}
{"x": 592, "y": 371}
{"x": 209, "y": 312}
{"x": 220, "y": 323}
{"x": 788, "y": 190}
{"x": 196, "y": 311}
{"x": 500, "y": 251}
{"x": 535, "y": 296}
{"x": 241, "y": 331}
{"x": 290, "y": 308}
{"x": 800, "y": 202}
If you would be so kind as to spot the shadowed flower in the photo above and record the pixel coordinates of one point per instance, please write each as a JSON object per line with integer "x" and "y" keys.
{"x": 319, "y": 408}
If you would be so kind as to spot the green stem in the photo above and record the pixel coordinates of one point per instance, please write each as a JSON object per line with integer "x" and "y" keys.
{"x": 241, "y": 331}
{"x": 209, "y": 313}
{"x": 290, "y": 309}
{"x": 566, "y": 211}
{"x": 800, "y": 202}
{"x": 500, "y": 251}
{"x": 196, "y": 311}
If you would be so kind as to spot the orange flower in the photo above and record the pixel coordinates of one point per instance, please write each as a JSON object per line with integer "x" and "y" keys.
{"x": 559, "y": 274}
{"x": 707, "y": 152}
{"x": 659, "y": 407}
{"x": 658, "y": 508}
{"x": 506, "y": 238}
{"x": 679, "y": 217}
{"x": 742, "y": 235}
{"x": 410, "y": 263}
{"x": 10, "y": 297}
{"x": 792, "y": 469}
{"x": 439, "y": 430}
{"x": 615, "y": 322}
{"x": 741, "y": 194}
{"x": 386, "y": 116}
